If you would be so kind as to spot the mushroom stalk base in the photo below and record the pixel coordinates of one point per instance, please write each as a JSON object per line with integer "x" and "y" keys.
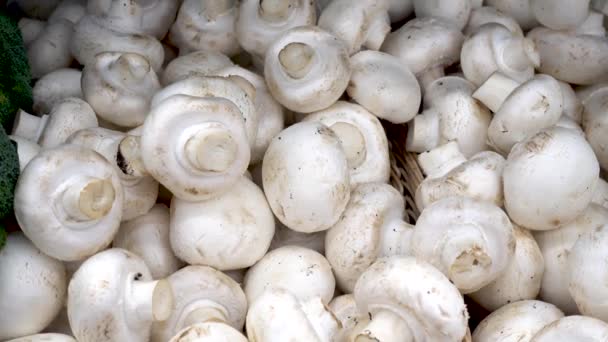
{"x": 465, "y": 258}
{"x": 441, "y": 160}
{"x": 495, "y": 90}
{"x": 423, "y": 132}
{"x": 211, "y": 150}
{"x": 519, "y": 53}
{"x": 277, "y": 10}
{"x": 377, "y": 30}
{"x": 151, "y": 300}
{"x": 385, "y": 326}
{"x": 205, "y": 311}
{"x": 88, "y": 198}
{"x": 297, "y": 59}
{"x": 352, "y": 141}
{"x": 214, "y": 8}
{"x": 29, "y": 126}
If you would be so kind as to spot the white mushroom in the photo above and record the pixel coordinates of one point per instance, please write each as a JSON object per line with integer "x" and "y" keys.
{"x": 427, "y": 309}
{"x": 119, "y": 87}
{"x": 573, "y": 328}
{"x": 26, "y": 150}
{"x": 206, "y": 25}
{"x": 372, "y": 226}
{"x": 449, "y": 173}
{"x": 307, "y": 69}
{"x": 549, "y": 179}
{"x": 119, "y": 29}
{"x": 385, "y": 86}
{"x": 351, "y": 319}
{"x": 201, "y": 63}
{"x": 261, "y": 22}
{"x": 572, "y": 105}
{"x": 360, "y": 24}
{"x": 487, "y": 14}
{"x": 520, "y": 10}
{"x": 78, "y": 201}
{"x": 32, "y": 288}
{"x": 148, "y": 237}
{"x": 301, "y": 271}
{"x": 306, "y": 177}
{"x": 123, "y": 153}
{"x": 71, "y": 10}
{"x": 54, "y": 87}
{"x": 471, "y": 242}
{"x": 203, "y": 294}
{"x": 362, "y": 138}
{"x": 50, "y": 50}
{"x": 112, "y": 297}
{"x": 560, "y": 14}
{"x": 520, "y": 110}
{"x": 229, "y": 231}
{"x": 595, "y": 122}
{"x": 30, "y": 29}
{"x": 209, "y": 332}
{"x": 518, "y": 321}
{"x": 47, "y": 337}
{"x": 455, "y": 11}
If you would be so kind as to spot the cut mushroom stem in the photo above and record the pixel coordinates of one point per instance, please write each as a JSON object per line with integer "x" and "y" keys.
{"x": 276, "y": 10}
{"x": 297, "y": 59}
{"x": 206, "y": 311}
{"x": 29, "y": 126}
{"x": 129, "y": 157}
{"x": 440, "y": 160}
{"x": 132, "y": 65}
{"x": 495, "y": 90}
{"x": 215, "y": 8}
{"x": 150, "y": 300}
{"x": 89, "y": 198}
{"x": 212, "y": 149}
{"x": 352, "y": 141}
{"x": 519, "y": 53}
{"x": 385, "y": 325}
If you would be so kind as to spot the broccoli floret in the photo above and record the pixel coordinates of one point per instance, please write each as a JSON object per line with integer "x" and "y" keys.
{"x": 9, "y": 172}
{"x": 15, "y": 88}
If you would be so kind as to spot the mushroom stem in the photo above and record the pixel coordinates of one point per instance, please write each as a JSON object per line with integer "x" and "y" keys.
{"x": 519, "y": 52}
{"x": 211, "y": 149}
{"x": 352, "y": 141}
{"x": 429, "y": 75}
{"x": 126, "y": 16}
{"x": 423, "y": 132}
{"x": 89, "y": 198}
{"x": 215, "y": 8}
{"x": 464, "y": 256}
{"x": 205, "y": 311}
{"x": 131, "y": 67}
{"x": 276, "y": 10}
{"x": 150, "y": 300}
{"x": 129, "y": 159}
{"x": 385, "y": 326}
{"x": 297, "y": 59}
{"x": 29, "y": 126}
{"x": 441, "y": 160}
{"x": 377, "y": 30}
{"x": 593, "y": 25}
{"x": 495, "y": 90}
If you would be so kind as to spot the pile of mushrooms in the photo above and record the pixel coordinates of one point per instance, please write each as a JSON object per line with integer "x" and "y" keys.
{"x": 220, "y": 170}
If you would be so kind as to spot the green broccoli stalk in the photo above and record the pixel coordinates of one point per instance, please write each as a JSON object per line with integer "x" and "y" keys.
{"x": 9, "y": 172}
{"x": 15, "y": 88}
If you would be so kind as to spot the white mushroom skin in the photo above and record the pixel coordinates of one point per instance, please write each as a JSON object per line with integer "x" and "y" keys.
{"x": 595, "y": 122}
{"x": 306, "y": 177}
{"x": 470, "y": 241}
{"x": 518, "y": 321}
{"x": 457, "y": 12}
{"x": 230, "y": 231}
{"x": 51, "y": 48}
{"x": 148, "y": 237}
{"x": 560, "y": 14}
{"x": 302, "y": 271}
{"x": 573, "y": 328}
{"x": 112, "y": 297}
{"x": 47, "y": 337}
{"x": 32, "y": 288}
{"x": 488, "y": 14}
{"x": 520, "y": 10}
{"x": 352, "y": 321}
{"x": 30, "y": 29}
{"x": 572, "y": 105}
{"x": 201, "y": 63}
{"x": 26, "y": 150}
{"x": 428, "y": 309}
{"x": 209, "y": 332}
{"x": 54, "y": 87}
{"x": 549, "y": 179}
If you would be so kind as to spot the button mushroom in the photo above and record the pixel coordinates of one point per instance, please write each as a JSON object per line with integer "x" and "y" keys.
{"x": 208, "y": 332}
{"x": 50, "y": 50}
{"x": 201, "y": 63}
{"x": 54, "y": 87}
{"x": 203, "y": 295}
{"x": 78, "y": 198}
{"x": 573, "y": 328}
{"x": 32, "y": 288}
{"x": 26, "y": 150}
{"x": 457, "y": 12}
{"x": 112, "y": 297}
{"x": 560, "y": 14}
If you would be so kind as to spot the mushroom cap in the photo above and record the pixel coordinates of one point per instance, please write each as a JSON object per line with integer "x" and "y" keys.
{"x": 256, "y": 33}
{"x": 46, "y": 337}
{"x": 50, "y": 50}
{"x": 457, "y": 12}
{"x": 573, "y": 328}
{"x": 518, "y": 321}
{"x": 355, "y": 241}
{"x": 119, "y": 86}
{"x": 209, "y": 332}
{"x": 385, "y": 86}
{"x": 595, "y": 122}
{"x": 148, "y": 237}
{"x": 489, "y": 14}
{"x": 561, "y": 53}
{"x": 201, "y": 287}
{"x": 520, "y": 10}
{"x": 200, "y": 63}
{"x": 560, "y": 14}
{"x": 102, "y": 298}
{"x": 412, "y": 44}
{"x": 470, "y": 241}
{"x": 306, "y": 177}
{"x": 549, "y": 179}
{"x": 32, "y": 288}
{"x": 72, "y": 10}
{"x": 54, "y": 87}
{"x": 535, "y": 105}
{"x": 68, "y": 116}
{"x": 363, "y": 139}
{"x": 301, "y": 271}
{"x": 229, "y": 231}
{"x": 572, "y": 105}
{"x": 321, "y": 62}
{"x": 43, "y": 185}
{"x": 431, "y": 305}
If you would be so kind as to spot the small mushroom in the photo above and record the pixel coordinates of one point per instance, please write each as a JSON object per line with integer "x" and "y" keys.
{"x": 30, "y": 29}
{"x": 54, "y": 87}
{"x": 428, "y": 309}
{"x": 198, "y": 63}
{"x": 119, "y": 87}
{"x": 362, "y": 138}
{"x": 230, "y": 231}
{"x": 112, "y": 297}
{"x": 301, "y": 271}
{"x": 307, "y": 69}
{"x": 209, "y": 332}
{"x": 203, "y": 295}
{"x": 50, "y": 50}
{"x": 385, "y": 86}
{"x": 520, "y": 109}
{"x": 360, "y": 24}
{"x": 278, "y": 315}
{"x": 560, "y": 14}
{"x": 573, "y": 328}
{"x": 471, "y": 242}
{"x": 118, "y": 29}
{"x": 26, "y": 150}
{"x": 595, "y": 123}
{"x": 306, "y": 177}
{"x": 32, "y": 288}
{"x": 148, "y": 237}
{"x": 410, "y": 43}
{"x": 488, "y": 14}
{"x": 518, "y": 321}
{"x": 48, "y": 337}
{"x": 206, "y": 25}
{"x": 520, "y": 10}
{"x": 455, "y": 11}
{"x": 549, "y": 179}
{"x": 261, "y": 22}
{"x": 372, "y": 226}
{"x": 78, "y": 201}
